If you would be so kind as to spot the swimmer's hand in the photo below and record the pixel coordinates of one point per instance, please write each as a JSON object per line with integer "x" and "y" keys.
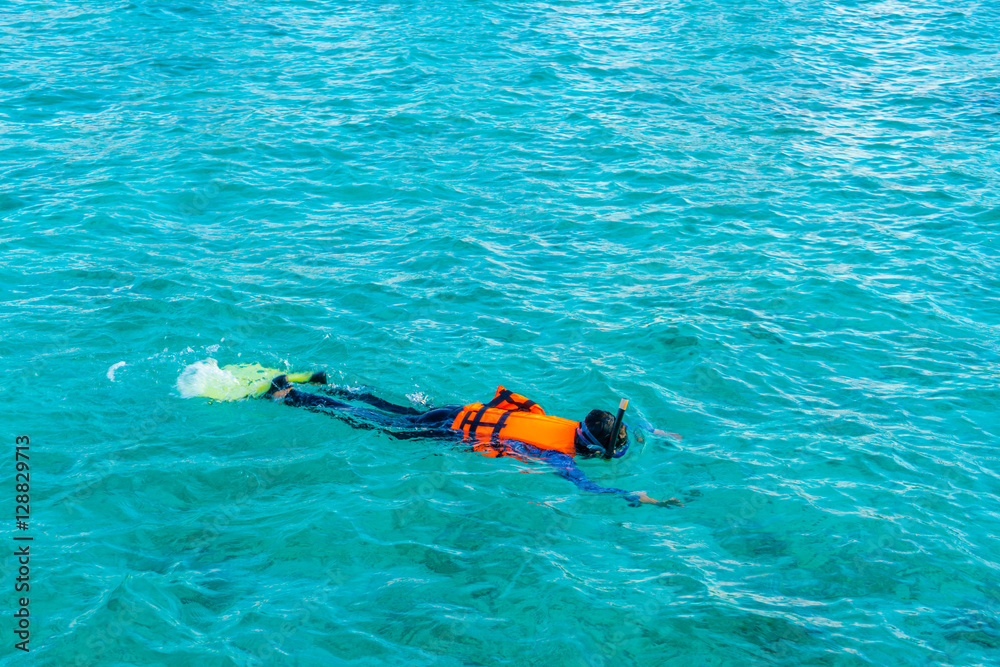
{"x": 643, "y": 498}
{"x": 641, "y": 437}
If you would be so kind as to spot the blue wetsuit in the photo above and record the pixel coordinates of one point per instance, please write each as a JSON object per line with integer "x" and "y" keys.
{"x": 404, "y": 423}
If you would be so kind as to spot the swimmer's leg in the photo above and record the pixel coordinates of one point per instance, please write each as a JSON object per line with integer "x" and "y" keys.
{"x": 373, "y": 400}
{"x": 280, "y": 386}
{"x": 433, "y": 423}
{"x": 305, "y": 399}
{"x": 283, "y": 390}
{"x": 440, "y": 417}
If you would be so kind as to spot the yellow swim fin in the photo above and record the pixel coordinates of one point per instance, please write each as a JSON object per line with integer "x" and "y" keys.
{"x": 235, "y": 381}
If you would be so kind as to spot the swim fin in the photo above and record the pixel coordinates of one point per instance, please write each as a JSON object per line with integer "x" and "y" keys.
{"x": 235, "y": 381}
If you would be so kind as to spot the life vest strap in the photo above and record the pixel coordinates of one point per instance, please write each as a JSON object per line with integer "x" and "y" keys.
{"x": 507, "y": 396}
{"x": 472, "y": 421}
{"x": 499, "y": 425}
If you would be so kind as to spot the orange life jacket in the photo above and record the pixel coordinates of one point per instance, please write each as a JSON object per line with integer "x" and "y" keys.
{"x": 510, "y": 416}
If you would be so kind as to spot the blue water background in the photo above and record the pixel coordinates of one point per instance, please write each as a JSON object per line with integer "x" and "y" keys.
{"x": 772, "y": 225}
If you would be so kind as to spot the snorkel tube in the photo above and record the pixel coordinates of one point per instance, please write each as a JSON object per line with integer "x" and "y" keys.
{"x": 613, "y": 439}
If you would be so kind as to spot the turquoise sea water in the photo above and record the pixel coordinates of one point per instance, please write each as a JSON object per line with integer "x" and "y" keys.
{"x": 772, "y": 225}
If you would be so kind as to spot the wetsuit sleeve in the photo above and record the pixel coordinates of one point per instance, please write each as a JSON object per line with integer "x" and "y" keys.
{"x": 566, "y": 468}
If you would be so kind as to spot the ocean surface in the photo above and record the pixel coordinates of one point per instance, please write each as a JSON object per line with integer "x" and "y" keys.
{"x": 771, "y": 225}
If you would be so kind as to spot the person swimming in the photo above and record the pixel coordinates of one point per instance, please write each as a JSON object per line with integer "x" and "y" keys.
{"x": 509, "y": 425}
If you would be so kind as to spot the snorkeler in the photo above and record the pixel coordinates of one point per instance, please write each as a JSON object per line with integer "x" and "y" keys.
{"x": 509, "y": 425}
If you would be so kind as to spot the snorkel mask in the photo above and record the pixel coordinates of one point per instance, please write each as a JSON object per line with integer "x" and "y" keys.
{"x": 595, "y": 447}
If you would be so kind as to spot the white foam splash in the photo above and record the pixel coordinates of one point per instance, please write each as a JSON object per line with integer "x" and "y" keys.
{"x": 114, "y": 367}
{"x": 229, "y": 383}
{"x": 199, "y": 377}
{"x": 419, "y": 398}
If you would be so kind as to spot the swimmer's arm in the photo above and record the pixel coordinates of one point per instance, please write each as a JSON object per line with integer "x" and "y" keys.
{"x": 566, "y": 468}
